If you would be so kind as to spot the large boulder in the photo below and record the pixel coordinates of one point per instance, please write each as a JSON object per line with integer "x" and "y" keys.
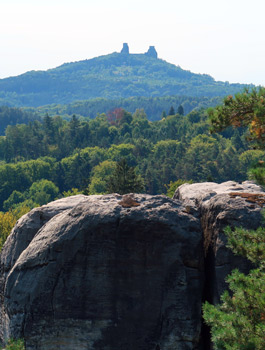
{"x": 104, "y": 272}
{"x": 122, "y": 272}
{"x": 221, "y": 205}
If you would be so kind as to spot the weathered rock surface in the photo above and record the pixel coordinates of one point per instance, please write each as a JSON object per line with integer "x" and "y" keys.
{"x": 122, "y": 273}
{"x": 28, "y": 226}
{"x": 221, "y": 205}
{"x": 104, "y": 272}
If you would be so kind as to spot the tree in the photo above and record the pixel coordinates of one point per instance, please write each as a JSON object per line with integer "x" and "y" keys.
{"x": 258, "y": 172}
{"x": 8, "y": 220}
{"x": 48, "y": 128}
{"x": 245, "y": 109}
{"x": 173, "y": 185}
{"x": 163, "y": 115}
{"x": 239, "y": 322}
{"x": 13, "y": 200}
{"x": 124, "y": 179}
{"x": 74, "y": 126}
{"x": 115, "y": 116}
{"x": 100, "y": 177}
{"x": 43, "y": 191}
{"x": 171, "y": 111}
{"x": 180, "y": 110}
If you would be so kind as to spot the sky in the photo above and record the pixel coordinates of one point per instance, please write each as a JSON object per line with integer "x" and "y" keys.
{"x": 225, "y": 39}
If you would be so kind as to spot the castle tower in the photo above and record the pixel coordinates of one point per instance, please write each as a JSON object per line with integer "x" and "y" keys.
{"x": 125, "y": 49}
{"x": 151, "y": 52}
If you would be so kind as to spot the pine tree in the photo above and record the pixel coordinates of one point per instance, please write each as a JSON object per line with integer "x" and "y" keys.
{"x": 125, "y": 180}
{"x": 239, "y": 322}
{"x": 180, "y": 110}
{"x": 245, "y": 109}
{"x": 171, "y": 111}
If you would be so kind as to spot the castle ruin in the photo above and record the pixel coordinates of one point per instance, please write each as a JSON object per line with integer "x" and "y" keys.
{"x": 151, "y": 51}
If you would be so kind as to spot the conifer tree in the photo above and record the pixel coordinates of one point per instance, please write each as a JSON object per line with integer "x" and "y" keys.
{"x": 238, "y": 323}
{"x": 171, "y": 111}
{"x": 124, "y": 179}
{"x": 180, "y": 110}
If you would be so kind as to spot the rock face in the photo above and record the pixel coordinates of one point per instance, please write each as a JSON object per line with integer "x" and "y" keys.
{"x": 221, "y": 205}
{"x": 105, "y": 273}
{"x": 121, "y": 272}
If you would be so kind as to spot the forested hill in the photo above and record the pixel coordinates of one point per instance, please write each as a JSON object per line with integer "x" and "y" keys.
{"x": 112, "y": 76}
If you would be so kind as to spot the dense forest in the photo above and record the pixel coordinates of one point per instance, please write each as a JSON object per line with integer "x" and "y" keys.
{"x": 112, "y": 76}
{"x": 46, "y": 159}
{"x": 42, "y": 159}
{"x": 13, "y": 116}
{"x": 154, "y": 107}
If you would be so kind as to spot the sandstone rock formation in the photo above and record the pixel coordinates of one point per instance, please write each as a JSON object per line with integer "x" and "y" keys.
{"x": 221, "y": 205}
{"x": 121, "y": 272}
{"x": 108, "y": 273}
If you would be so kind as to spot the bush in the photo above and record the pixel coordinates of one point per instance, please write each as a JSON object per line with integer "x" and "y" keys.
{"x": 15, "y": 344}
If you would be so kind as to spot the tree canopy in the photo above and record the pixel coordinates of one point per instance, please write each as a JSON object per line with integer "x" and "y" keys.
{"x": 238, "y": 323}
{"x": 124, "y": 179}
{"x": 246, "y": 109}
{"x": 110, "y": 76}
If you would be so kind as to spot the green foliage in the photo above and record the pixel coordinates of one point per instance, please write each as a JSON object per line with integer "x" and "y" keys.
{"x": 19, "y": 176}
{"x": 15, "y": 344}
{"x": 13, "y": 116}
{"x": 258, "y": 172}
{"x": 153, "y": 106}
{"x": 39, "y": 193}
{"x": 180, "y": 110}
{"x": 239, "y": 322}
{"x": 173, "y": 185}
{"x": 13, "y": 200}
{"x": 250, "y": 158}
{"x": 171, "y": 111}
{"x": 124, "y": 179}
{"x": 8, "y": 220}
{"x": 43, "y": 191}
{"x": 176, "y": 147}
{"x": 72, "y": 192}
{"x": 245, "y": 109}
{"x": 250, "y": 244}
{"x": 101, "y": 175}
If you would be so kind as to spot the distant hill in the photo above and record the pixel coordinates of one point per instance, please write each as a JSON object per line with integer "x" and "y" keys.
{"x": 113, "y": 76}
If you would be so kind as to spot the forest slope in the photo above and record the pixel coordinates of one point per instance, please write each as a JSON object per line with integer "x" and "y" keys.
{"x": 110, "y": 76}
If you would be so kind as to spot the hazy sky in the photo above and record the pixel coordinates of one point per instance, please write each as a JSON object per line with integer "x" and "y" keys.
{"x": 223, "y": 38}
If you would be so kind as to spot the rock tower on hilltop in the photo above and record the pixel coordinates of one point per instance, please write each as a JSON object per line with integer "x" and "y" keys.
{"x": 125, "y": 49}
{"x": 151, "y": 51}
